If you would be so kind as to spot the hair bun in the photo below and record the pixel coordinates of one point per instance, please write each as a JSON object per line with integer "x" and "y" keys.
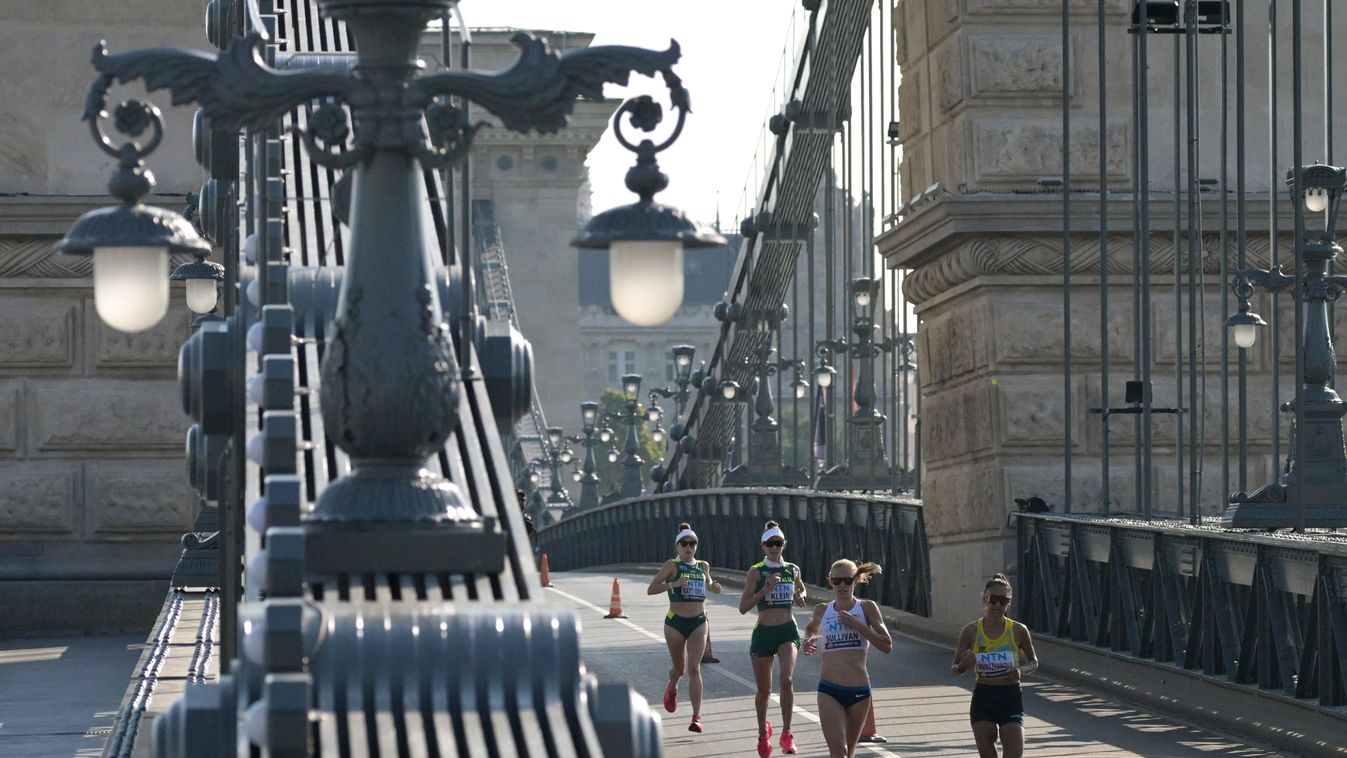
{"x": 770, "y": 525}
{"x": 683, "y": 526}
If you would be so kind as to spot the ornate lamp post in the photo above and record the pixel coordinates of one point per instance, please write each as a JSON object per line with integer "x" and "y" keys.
{"x": 867, "y": 467}
{"x": 683, "y": 355}
{"x": 646, "y": 240}
{"x": 764, "y": 467}
{"x": 400, "y": 120}
{"x": 1320, "y": 477}
{"x": 632, "y": 483}
{"x": 557, "y": 454}
{"x": 588, "y": 480}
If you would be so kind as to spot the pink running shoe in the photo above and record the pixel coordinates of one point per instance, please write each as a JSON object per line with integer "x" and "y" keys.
{"x": 696, "y": 725}
{"x": 671, "y": 697}
{"x": 765, "y": 743}
{"x": 788, "y": 742}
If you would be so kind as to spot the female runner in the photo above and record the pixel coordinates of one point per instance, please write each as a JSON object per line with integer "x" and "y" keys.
{"x": 1002, "y": 653}
{"x": 773, "y": 585}
{"x": 686, "y": 579}
{"x": 849, "y": 626}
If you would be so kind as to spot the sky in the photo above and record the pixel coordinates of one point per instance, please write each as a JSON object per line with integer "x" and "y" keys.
{"x": 732, "y": 52}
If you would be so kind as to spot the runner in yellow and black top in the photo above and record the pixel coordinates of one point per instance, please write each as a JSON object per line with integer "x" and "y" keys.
{"x": 773, "y": 586}
{"x": 1002, "y": 652}
{"x": 687, "y": 580}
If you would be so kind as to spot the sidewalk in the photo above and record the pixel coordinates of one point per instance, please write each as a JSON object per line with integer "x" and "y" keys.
{"x": 59, "y": 695}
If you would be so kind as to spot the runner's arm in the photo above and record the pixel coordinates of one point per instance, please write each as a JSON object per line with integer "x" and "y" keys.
{"x": 711, "y": 584}
{"x": 1028, "y": 657}
{"x": 963, "y": 649}
{"x": 879, "y": 636}
{"x": 749, "y": 598}
{"x": 660, "y": 582}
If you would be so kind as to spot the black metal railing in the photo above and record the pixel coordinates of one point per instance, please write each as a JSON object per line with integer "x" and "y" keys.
{"x": 820, "y": 526}
{"x": 1265, "y": 610}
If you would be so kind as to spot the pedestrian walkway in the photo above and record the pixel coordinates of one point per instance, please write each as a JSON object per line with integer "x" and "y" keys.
{"x": 920, "y": 708}
{"x": 59, "y": 695}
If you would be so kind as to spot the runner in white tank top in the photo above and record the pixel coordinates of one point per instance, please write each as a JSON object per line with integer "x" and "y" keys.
{"x": 845, "y": 629}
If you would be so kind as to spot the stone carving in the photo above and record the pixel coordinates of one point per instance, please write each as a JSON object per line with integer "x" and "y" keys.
{"x": 957, "y": 422}
{"x": 1032, "y": 412}
{"x": 947, "y": 61}
{"x": 961, "y": 337}
{"x": 1040, "y": 6}
{"x": 10, "y": 409}
{"x": 1023, "y": 151}
{"x": 149, "y": 496}
{"x": 910, "y": 100}
{"x": 965, "y": 499}
{"x": 1016, "y": 65}
{"x": 155, "y": 347}
{"x": 39, "y": 497}
{"x": 1026, "y": 328}
{"x": 25, "y": 257}
{"x": 1042, "y": 255}
{"x": 107, "y": 415}
{"x": 39, "y": 332}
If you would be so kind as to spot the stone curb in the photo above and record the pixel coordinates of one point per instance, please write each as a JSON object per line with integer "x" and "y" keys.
{"x": 1299, "y": 729}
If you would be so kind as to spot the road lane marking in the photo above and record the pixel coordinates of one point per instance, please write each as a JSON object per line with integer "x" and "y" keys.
{"x": 752, "y": 686}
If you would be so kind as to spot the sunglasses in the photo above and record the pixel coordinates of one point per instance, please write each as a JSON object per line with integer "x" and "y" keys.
{"x": 998, "y": 600}
{"x": 774, "y": 543}
{"x": 687, "y": 543}
{"x": 838, "y": 580}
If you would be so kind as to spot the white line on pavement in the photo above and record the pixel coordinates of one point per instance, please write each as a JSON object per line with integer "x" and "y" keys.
{"x": 802, "y": 713}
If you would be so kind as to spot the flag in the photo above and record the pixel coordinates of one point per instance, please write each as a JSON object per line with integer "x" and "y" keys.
{"x": 821, "y": 426}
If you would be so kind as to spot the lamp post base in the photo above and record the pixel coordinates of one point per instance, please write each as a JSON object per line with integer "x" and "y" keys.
{"x": 391, "y": 494}
{"x": 784, "y": 476}
{"x": 1273, "y": 507}
{"x": 862, "y": 478}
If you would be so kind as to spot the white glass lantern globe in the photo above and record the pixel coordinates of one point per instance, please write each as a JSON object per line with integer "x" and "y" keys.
{"x": 605, "y": 434}
{"x": 823, "y": 377}
{"x": 577, "y": 476}
{"x": 729, "y": 389}
{"x": 1244, "y": 335}
{"x": 653, "y": 414}
{"x": 645, "y": 280}
{"x": 131, "y": 291}
{"x": 566, "y": 456}
{"x": 612, "y": 456}
{"x": 535, "y": 477}
{"x": 863, "y": 298}
{"x": 801, "y": 389}
{"x": 1316, "y": 200}
{"x": 657, "y": 434}
{"x": 202, "y": 295}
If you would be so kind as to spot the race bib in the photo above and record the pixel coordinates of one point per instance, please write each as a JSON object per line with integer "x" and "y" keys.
{"x": 782, "y": 593}
{"x": 996, "y": 663}
{"x": 837, "y": 636}
{"x": 695, "y": 589}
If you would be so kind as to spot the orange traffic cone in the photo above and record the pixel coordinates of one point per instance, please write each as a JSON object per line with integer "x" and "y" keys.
{"x": 707, "y": 655}
{"x": 546, "y": 575}
{"x": 615, "y": 604}
{"x": 868, "y": 731}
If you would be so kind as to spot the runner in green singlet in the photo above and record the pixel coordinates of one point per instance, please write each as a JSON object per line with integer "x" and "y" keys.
{"x": 687, "y": 580}
{"x": 773, "y": 586}
{"x": 1001, "y": 651}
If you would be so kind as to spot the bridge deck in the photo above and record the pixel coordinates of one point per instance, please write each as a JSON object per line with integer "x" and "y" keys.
{"x": 919, "y": 707}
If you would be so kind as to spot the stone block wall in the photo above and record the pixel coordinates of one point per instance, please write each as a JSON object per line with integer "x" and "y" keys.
{"x": 93, "y": 490}
{"x": 980, "y": 103}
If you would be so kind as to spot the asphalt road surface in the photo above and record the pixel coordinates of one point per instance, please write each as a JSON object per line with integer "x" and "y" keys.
{"x": 919, "y": 707}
